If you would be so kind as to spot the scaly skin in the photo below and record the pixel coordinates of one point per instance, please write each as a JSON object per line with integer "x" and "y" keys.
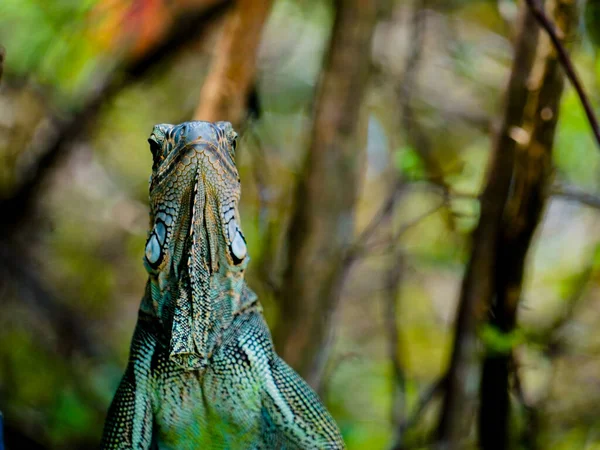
{"x": 202, "y": 372}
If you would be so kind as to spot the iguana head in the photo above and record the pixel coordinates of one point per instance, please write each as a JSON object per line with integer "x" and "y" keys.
{"x": 195, "y": 252}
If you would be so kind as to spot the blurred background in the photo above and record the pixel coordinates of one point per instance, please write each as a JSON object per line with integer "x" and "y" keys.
{"x": 375, "y": 137}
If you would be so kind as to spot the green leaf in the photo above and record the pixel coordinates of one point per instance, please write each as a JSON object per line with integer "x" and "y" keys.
{"x": 497, "y": 341}
{"x": 409, "y": 163}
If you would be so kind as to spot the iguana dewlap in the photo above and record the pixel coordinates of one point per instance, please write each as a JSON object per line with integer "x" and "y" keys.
{"x": 202, "y": 371}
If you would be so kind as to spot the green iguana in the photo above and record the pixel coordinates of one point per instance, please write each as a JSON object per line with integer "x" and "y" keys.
{"x": 202, "y": 371}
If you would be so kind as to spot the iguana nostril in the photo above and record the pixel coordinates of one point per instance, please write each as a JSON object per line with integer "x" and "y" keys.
{"x": 154, "y": 146}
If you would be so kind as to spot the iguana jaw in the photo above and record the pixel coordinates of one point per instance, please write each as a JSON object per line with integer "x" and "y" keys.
{"x": 196, "y": 253}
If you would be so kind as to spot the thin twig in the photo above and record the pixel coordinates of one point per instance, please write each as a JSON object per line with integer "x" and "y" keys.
{"x": 404, "y": 228}
{"x": 570, "y": 193}
{"x": 393, "y": 283}
{"x": 359, "y": 246}
{"x": 424, "y": 399}
{"x": 416, "y": 137}
{"x": 550, "y": 336}
{"x": 548, "y": 26}
{"x": 383, "y": 214}
{"x": 530, "y": 430}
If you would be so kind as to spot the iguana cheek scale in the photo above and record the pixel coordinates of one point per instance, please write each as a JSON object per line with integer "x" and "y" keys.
{"x": 202, "y": 372}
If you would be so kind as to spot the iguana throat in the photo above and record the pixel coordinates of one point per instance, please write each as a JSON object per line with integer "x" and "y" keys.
{"x": 195, "y": 253}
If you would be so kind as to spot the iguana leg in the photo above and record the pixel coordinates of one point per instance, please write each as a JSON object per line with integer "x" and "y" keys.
{"x": 296, "y": 412}
{"x": 129, "y": 421}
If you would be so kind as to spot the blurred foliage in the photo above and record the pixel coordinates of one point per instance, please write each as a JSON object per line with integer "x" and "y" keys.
{"x": 88, "y": 242}
{"x": 51, "y": 43}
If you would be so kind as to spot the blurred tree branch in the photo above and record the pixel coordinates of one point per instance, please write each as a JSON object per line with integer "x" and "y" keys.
{"x": 523, "y": 212}
{"x": 2, "y": 57}
{"x": 557, "y": 35}
{"x": 323, "y": 220}
{"x": 362, "y": 246}
{"x": 406, "y": 89}
{"x": 72, "y": 332}
{"x": 550, "y": 336}
{"x": 553, "y": 341}
{"x": 226, "y": 91}
{"x": 17, "y": 207}
{"x": 390, "y": 319}
{"x": 529, "y": 436}
{"x": 479, "y": 280}
{"x": 426, "y": 397}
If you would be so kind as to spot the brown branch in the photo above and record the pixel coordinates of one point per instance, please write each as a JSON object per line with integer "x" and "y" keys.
{"x": 226, "y": 91}
{"x": 523, "y": 212}
{"x": 538, "y": 11}
{"x": 322, "y": 221}
{"x": 479, "y": 280}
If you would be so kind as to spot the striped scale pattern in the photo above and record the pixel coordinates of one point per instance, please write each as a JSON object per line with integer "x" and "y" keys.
{"x": 202, "y": 372}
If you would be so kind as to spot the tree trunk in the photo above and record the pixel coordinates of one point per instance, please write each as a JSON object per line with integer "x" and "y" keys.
{"x": 226, "y": 90}
{"x": 322, "y": 223}
{"x": 531, "y": 179}
{"x": 479, "y": 280}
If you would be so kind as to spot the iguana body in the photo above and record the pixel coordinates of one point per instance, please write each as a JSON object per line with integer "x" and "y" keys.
{"x": 202, "y": 372}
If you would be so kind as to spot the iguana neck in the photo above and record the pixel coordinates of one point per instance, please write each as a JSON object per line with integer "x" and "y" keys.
{"x": 226, "y": 291}
{"x": 179, "y": 309}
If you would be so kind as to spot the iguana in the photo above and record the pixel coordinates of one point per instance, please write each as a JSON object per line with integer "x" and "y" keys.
{"x": 202, "y": 371}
